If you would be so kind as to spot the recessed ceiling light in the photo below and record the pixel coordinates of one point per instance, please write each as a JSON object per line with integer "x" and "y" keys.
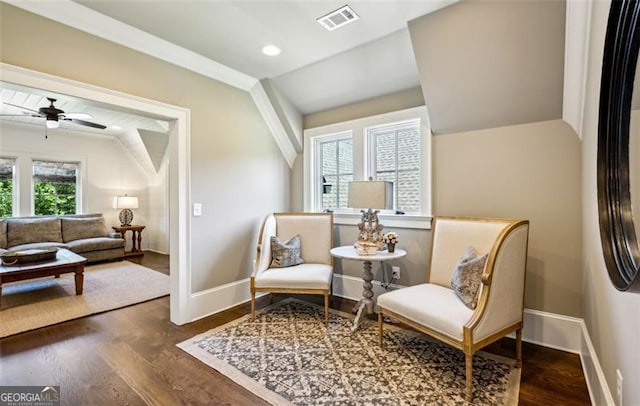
{"x": 116, "y": 127}
{"x": 271, "y": 50}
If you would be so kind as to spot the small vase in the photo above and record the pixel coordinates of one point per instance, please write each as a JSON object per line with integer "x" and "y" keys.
{"x": 391, "y": 247}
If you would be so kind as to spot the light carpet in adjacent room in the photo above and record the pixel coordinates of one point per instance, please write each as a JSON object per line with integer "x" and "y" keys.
{"x": 288, "y": 356}
{"x": 32, "y": 304}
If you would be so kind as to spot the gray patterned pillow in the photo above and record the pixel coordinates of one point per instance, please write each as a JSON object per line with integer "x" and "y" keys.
{"x": 285, "y": 254}
{"x": 467, "y": 277}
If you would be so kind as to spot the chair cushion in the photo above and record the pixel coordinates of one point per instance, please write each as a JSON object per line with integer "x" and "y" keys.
{"x": 430, "y": 305}
{"x": 303, "y": 276}
{"x": 467, "y": 277}
{"x": 284, "y": 254}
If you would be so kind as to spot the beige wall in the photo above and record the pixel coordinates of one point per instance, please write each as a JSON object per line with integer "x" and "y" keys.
{"x": 401, "y": 100}
{"x": 488, "y": 64}
{"x": 529, "y": 171}
{"x": 612, "y": 317}
{"x": 237, "y": 170}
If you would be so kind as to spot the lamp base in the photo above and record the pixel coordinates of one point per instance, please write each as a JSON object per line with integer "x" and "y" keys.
{"x": 370, "y": 228}
{"x": 126, "y": 217}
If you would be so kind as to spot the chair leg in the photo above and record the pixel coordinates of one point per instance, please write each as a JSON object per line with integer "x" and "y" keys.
{"x": 326, "y": 308}
{"x": 469, "y": 364}
{"x": 253, "y": 305}
{"x": 380, "y": 322}
{"x": 519, "y": 347}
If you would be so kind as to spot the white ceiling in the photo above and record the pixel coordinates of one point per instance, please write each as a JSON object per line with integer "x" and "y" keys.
{"x": 360, "y": 56}
{"x": 130, "y": 125}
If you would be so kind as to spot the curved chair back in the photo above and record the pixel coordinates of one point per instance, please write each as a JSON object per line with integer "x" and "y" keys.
{"x": 316, "y": 234}
{"x": 450, "y": 237}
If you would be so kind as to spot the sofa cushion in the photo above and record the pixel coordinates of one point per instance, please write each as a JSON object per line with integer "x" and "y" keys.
{"x": 95, "y": 244}
{"x": 81, "y": 228}
{"x": 3, "y": 233}
{"x": 31, "y": 230}
{"x": 38, "y": 245}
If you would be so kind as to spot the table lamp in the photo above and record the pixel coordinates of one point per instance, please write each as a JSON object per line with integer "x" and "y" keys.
{"x": 371, "y": 197}
{"x": 126, "y": 203}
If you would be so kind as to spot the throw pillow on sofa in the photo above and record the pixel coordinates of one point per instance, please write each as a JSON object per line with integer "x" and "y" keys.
{"x": 81, "y": 228}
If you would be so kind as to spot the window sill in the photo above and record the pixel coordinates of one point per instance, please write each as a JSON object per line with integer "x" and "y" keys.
{"x": 389, "y": 220}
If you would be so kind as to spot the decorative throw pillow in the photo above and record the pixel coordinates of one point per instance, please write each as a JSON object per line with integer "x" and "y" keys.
{"x": 467, "y": 277}
{"x": 285, "y": 254}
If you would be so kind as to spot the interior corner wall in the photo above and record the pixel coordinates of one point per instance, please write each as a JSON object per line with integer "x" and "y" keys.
{"x": 611, "y": 316}
{"x": 529, "y": 171}
{"x": 489, "y": 64}
{"x": 237, "y": 171}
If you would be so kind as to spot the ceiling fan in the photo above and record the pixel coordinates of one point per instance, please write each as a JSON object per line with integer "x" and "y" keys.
{"x": 54, "y": 115}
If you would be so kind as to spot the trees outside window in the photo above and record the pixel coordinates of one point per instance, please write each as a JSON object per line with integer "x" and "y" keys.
{"x": 55, "y": 187}
{"x": 7, "y": 180}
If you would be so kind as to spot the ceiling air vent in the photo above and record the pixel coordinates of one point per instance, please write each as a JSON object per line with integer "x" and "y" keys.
{"x": 337, "y": 18}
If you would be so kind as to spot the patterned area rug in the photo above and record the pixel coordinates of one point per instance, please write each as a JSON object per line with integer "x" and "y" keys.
{"x": 287, "y": 356}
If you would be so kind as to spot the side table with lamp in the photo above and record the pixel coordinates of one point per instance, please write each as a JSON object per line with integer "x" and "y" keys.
{"x": 369, "y": 196}
{"x": 126, "y": 203}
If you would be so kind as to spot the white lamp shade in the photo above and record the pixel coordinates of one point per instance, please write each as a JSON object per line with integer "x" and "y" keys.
{"x": 371, "y": 194}
{"x": 126, "y": 202}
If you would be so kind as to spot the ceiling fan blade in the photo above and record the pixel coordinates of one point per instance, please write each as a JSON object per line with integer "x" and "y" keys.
{"x": 77, "y": 116}
{"x": 23, "y": 108}
{"x": 87, "y": 123}
{"x": 20, "y": 115}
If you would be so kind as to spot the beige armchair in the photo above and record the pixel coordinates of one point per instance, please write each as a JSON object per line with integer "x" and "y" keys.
{"x": 434, "y": 308}
{"x": 314, "y": 276}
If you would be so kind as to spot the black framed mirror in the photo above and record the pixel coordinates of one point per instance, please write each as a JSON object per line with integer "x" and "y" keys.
{"x": 615, "y": 205}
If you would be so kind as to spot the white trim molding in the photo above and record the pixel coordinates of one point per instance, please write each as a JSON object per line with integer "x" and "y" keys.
{"x": 214, "y": 300}
{"x": 276, "y": 127}
{"x": 593, "y": 373}
{"x": 85, "y": 19}
{"x": 179, "y": 176}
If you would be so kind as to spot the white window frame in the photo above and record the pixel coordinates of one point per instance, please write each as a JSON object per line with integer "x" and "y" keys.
{"x": 79, "y": 182}
{"x": 362, "y": 166}
{"x": 317, "y": 171}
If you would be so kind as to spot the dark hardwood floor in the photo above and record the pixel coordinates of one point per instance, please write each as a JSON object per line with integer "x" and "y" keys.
{"x": 129, "y": 357}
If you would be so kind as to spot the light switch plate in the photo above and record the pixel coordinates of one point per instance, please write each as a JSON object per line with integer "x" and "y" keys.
{"x": 197, "y": 209}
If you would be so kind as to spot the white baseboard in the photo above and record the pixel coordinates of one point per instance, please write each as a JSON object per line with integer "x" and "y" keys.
{"x": 223, "y": 297}
{"x": 156, "y": 251}
{"x": 596, "y": 382}
{"x": 542, "y": 328}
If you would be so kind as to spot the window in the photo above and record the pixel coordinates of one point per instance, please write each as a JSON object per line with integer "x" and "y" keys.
{"x": 55, "y": 187}
{"x": 393, "y": 147}
{"x": 336, "y": 170}
{"x": 395, "y": 157}
{"x": 7, "y": 182}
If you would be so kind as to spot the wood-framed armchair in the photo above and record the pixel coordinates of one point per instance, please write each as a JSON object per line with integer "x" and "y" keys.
{"x": 433, "y": 307}
{"x": 314, "y": 276}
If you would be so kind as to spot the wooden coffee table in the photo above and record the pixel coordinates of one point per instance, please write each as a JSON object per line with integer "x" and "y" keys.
{"x": 65, "y": 262}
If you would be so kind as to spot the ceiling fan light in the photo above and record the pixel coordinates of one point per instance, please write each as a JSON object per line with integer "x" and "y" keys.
{"x": 53, "y": 123}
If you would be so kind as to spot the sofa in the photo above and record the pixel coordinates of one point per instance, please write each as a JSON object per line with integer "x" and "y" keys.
{"x": 85, "y": 234}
